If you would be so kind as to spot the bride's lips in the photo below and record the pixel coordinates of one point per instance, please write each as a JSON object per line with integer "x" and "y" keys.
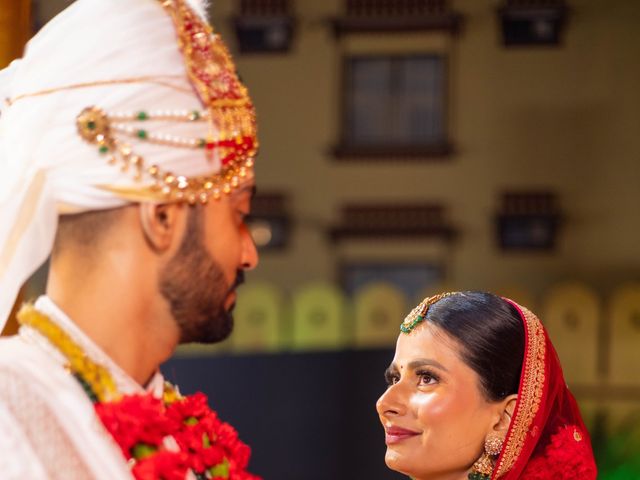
{"x": 398, "y": 434}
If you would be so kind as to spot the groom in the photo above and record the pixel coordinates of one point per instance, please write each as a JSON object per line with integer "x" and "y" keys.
{"x": 127, "y": 145}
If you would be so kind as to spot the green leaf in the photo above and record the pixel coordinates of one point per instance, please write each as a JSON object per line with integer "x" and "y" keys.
{"x": 191, "y": 421}
{"x": 220, "y": 470}
{"x": 143, "y": 450}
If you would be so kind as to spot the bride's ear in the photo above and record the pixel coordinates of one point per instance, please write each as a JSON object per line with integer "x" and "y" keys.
{"x": 506, "y": 409}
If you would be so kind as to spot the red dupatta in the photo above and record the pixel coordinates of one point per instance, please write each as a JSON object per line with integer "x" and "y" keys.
{"x": 547, "y": 438}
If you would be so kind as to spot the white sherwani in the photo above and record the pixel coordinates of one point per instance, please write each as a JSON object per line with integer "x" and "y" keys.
{"x": 48, "y": 428}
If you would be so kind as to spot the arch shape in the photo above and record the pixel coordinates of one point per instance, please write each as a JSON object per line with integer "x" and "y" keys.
{"x": 318, "y": 314}
{"x": 623, "y": 315}
{"x": 571, "y": 313}
{"x": 379, "y": 309}
{"x": 258, "y": 319}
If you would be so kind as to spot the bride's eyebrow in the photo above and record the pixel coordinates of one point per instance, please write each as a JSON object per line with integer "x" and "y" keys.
{"x": 426, "y": 362}
{"x": 391, "y": 369}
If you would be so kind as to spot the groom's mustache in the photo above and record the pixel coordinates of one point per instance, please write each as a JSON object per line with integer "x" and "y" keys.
{"x": 238, "y": 281}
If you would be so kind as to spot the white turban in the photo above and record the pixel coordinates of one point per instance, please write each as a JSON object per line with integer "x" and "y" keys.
{"x": 46, "y": 168}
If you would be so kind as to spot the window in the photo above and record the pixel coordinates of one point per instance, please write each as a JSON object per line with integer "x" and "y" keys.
{"x": 528, "y": 221}
{"x": 264, "y": 26}
{"x": 270, "y": 221}
{"x": 395, "y": 104}
{"x": 412, "y": 279}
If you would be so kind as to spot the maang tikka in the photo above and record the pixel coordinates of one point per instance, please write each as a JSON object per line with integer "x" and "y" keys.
{"x": 419, "y": 313}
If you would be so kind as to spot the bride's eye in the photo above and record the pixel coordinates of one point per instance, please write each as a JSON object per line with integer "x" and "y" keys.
{"x": 391, "y": 378}
{"x": 427, "y": 377}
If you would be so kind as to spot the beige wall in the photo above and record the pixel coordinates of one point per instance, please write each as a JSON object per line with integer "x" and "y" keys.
{"x": 565, "y": 119}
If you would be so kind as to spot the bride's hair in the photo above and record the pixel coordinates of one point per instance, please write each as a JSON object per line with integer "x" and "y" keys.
{"x": 491, "y": 335}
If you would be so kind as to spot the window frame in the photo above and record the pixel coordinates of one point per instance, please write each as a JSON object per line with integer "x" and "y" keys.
{"x": 347, "y": 149}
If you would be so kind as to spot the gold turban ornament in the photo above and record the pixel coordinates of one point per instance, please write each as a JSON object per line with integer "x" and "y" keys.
{"x": 113, "y": 102}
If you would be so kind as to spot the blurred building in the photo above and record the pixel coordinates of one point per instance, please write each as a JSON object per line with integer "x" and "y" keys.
{"x": 415, "y": 145}
{"x": 361, "y": 112}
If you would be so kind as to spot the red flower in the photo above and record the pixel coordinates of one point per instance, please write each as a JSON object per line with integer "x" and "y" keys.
{"x": 133, "y": 420}
{"x": 168, "y": 440}
{"x": 162, "y": 466}
{"x": 192, "y": 406}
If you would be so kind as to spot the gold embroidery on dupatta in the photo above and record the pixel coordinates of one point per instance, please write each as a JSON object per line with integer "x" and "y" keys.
{"x": 529, "y": 397}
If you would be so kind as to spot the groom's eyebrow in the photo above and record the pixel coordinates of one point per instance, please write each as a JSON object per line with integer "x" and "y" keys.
{"x": 250, "y": 189}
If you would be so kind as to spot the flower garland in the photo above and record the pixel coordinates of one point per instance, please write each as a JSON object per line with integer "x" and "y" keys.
{"x": 172, "y": 438}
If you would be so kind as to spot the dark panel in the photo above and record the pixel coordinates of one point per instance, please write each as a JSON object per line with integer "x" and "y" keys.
{"x": 307, "y": 416}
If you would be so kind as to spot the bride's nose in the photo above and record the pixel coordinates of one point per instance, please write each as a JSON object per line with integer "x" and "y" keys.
{"x": 393, "y": 401}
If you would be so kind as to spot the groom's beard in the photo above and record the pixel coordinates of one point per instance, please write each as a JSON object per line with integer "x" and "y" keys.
{"x": 195, "y": 287}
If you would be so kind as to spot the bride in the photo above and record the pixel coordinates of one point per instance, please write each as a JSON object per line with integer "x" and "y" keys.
{"x": 475, "y": 391}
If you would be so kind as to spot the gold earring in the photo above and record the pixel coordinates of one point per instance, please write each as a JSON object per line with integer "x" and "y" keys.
{"x": 483, "y": 467}
{"x": 493, "y": 445}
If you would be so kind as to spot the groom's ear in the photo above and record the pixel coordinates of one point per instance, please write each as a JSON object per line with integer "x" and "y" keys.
{"x": 162, "y": 224}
